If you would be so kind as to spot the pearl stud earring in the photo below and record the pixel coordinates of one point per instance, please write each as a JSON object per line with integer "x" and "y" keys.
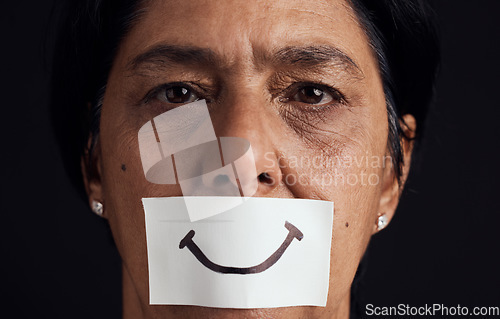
{"x": 97, "y": 208}
{"x": 382, "y": 221}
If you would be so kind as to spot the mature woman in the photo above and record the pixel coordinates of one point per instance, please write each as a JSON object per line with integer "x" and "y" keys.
{"x": 346, "y": 83}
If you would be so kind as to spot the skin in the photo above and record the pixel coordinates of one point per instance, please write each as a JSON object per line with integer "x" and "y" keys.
{"x": 249, "y": 96}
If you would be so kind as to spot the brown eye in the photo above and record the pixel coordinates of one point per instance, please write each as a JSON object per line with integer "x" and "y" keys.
{"x": 177, "y": 94}
{"x": 312, "y": 95}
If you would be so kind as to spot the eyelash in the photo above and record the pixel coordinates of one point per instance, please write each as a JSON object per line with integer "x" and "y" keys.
{"x": 286, "y": 95}
{"x": 337, "y": 96}
{"x": 164, "y": 87}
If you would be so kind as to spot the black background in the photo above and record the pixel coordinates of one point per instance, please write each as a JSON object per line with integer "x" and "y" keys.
{"x": 57, "y": 259}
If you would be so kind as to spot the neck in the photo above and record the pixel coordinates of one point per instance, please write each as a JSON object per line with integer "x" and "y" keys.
{"x": 344, "y": 308}
{"x": 131, "y": 304}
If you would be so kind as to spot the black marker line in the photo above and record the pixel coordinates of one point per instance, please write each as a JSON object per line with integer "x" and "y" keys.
{"x": 293, "y": 232}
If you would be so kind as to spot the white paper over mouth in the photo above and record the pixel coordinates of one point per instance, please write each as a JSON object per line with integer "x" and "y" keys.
{"x": 264, "y": 253}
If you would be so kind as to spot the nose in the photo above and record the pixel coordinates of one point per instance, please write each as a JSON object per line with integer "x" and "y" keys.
{"x": 228, "y": 168}
{"x": 252, "y": 121}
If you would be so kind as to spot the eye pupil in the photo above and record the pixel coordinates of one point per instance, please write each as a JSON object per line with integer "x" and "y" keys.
{"x": 178, "y": 94}
{"x": 311, "y": 95}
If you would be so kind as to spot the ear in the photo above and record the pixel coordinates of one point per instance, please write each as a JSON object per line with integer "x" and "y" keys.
{"x": 391, "y": 189}
{"x": 91, "y": 171}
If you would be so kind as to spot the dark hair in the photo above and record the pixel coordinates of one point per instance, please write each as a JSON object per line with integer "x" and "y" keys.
{"x": 404, "y": 38}
{"x": 90, "y": 32}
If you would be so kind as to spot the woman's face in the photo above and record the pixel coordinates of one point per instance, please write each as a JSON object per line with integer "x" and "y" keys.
{"x": 297, "y": 79}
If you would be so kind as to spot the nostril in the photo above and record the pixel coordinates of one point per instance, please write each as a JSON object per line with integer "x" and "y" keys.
{"x": 266, "y": 179}
{"x": 220, "y": 180}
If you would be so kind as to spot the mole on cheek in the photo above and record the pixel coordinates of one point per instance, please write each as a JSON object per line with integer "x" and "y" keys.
{"x": 346, "y": 224}
{"x": 124, "y": 168}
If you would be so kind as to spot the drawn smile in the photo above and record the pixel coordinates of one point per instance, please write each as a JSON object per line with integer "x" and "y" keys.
{"x": 293, "y": 232}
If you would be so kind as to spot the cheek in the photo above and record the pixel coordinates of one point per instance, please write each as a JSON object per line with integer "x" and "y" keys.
{"x": 339, "y": 158}
{"x": 346, "y": 166}
{"x": 121, "y": 179}
{"x": 356, "y": 192}
{"x": 124, "y": 185}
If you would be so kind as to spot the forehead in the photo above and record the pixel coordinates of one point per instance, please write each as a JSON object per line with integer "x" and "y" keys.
{"x": 239, "y": 30}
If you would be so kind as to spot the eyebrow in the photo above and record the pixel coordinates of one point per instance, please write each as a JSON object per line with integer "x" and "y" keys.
{"x": 163, "y": 53}
{"x": 311, "y": 56}
{"x": 300, "y": 56}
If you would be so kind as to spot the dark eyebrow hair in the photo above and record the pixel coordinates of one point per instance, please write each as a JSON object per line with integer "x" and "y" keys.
{"x": 310, "y": 56}
{"x": 307, "y": 56}
{"x": 164, "y": 53}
